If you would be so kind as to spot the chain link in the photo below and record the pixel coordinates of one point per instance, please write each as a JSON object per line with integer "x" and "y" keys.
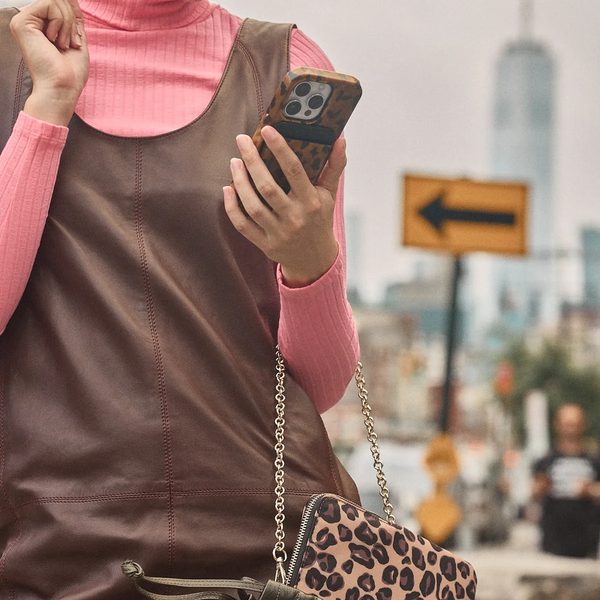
{"x": 372, "y": 437}
{"x": 279, "y": 553}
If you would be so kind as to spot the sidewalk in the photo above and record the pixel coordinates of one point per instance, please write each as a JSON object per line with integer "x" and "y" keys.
{"x": 517, "y": 571}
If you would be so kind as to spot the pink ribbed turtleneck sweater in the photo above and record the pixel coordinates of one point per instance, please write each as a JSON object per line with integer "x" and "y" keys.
{"x": 154, "y": 66}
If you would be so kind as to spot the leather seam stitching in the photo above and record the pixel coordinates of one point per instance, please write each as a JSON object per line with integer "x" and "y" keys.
{"x": 332, "y": 465}
{"x": 160, "y": 373}
{"x": 150, "y": 495}
{"x": 256, "y": 79}
{"x": 288, "y": 47}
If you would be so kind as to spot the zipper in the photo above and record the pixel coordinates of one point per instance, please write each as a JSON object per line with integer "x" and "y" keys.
{"x": 306, "y": 527}
{"x": 303, "y": 535}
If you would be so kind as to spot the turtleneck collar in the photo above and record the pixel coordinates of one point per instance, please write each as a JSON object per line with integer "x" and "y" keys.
{"x": 144, "y": 15}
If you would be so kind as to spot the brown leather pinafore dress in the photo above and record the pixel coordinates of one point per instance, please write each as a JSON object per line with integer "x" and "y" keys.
{"x": 137, "y": 373}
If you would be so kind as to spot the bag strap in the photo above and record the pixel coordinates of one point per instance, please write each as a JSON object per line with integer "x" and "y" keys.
{"x": 134, "y": 571}
{"x": 279, "y": 553}
{"x": 272, "y": 590}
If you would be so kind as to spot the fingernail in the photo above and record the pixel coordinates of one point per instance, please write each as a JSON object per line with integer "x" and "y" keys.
{"x": 267, "y": 132}
{"x": 68, "y": 42}
{"x": 77, "y": 39}
{"x": 243, "y": 142}
{"x": 79, "y": 30}
{"x": 236, "y": 164}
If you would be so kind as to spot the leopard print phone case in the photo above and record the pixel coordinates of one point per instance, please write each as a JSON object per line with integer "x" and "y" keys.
{"x": 310, "y": 109}
{"x": 345, "y": 552}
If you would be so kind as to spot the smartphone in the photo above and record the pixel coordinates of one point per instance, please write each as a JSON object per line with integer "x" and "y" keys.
{"x": 310, "y": 109}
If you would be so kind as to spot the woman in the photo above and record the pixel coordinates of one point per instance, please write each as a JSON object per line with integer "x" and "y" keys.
{"x": 138, "y": 356}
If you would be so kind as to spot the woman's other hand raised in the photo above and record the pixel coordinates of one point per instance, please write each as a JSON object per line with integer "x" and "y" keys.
{"x": 295, "y": 229}
{"x": 51, "y": 37}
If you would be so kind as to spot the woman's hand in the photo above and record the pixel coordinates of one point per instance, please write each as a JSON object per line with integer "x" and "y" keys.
{"x": 297, "y": 230}
{"x": 51, "y": 38}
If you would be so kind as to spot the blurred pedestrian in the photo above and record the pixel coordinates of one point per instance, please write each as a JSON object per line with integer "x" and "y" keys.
{"x": 567, "y": 483}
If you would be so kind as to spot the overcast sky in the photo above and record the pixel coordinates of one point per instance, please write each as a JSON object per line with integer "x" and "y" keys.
{"x": 427, "y": 70}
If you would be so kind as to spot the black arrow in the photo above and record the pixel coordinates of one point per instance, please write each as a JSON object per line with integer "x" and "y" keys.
{"x": 437, "y": 214}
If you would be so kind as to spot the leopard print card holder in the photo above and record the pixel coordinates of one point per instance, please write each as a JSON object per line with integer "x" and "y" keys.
{"x": 345, "y": 552}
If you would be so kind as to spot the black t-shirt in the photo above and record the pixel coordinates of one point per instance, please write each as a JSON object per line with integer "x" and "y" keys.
{"x": 570, "y": 525}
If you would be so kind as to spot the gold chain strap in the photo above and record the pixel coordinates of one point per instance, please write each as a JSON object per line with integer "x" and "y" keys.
{"x": 372, "y": 437}
{"x": 279, "y": 553}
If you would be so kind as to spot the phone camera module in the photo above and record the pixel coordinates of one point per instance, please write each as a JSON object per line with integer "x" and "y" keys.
{"x": 293, "y": 108}
{"x": 302, "y": 89}
{"x": 307, "y": 100}
{"x": 316, "y": 101}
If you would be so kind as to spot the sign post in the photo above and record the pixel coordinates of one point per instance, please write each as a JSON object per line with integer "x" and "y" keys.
{"x": 439, "y": 515}
{"x": 450, "y": 344}
{"x": 457, "y": 216}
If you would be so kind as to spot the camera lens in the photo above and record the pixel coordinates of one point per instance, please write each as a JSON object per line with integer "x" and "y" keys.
{"x": 293, "y": 107}
{"x": 302, "y": 89}
{"x": 316, "y": 101}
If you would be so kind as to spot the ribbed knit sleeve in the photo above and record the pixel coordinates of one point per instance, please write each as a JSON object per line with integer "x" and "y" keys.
{"x": 317, "y": 334}
{"x": 28, "y": 168}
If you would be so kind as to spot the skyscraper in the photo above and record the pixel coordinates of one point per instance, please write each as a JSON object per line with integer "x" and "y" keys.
{"x": 522, "y": 150}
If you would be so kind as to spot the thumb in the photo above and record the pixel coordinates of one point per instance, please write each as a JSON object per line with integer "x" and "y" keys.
{"x": 332, "y": 172}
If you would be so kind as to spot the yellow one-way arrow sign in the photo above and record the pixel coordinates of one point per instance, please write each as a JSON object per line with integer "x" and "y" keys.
{"x": 461, "y": 215}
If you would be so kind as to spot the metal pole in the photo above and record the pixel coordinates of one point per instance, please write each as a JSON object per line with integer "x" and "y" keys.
{"x": 450, "y": 344}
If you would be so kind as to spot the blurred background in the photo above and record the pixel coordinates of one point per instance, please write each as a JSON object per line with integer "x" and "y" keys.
{"x": 486, "y": 90}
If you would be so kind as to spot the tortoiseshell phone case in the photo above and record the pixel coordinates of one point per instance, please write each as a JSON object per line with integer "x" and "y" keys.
{"x": 310, "y": 132}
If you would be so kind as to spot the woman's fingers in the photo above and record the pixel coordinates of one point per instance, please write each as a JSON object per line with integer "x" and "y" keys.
{"x": 76, "y": 36}
{"x": 56, "y": 19}
{"x": 267, "y": 187}
{"x": 60, "y": 19}
{"x": 76, "y": 11}
{"x": 66, "y": 29}
{"x": 240, "y": 221}
{"x": 262, "y": 179}
{"x": 71, "y": 30}
{"x": 330, "y": 177}
{"x": 255, "y": 208}
{"x": 288, "y": 161}
{"x": 78, "y": 30}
